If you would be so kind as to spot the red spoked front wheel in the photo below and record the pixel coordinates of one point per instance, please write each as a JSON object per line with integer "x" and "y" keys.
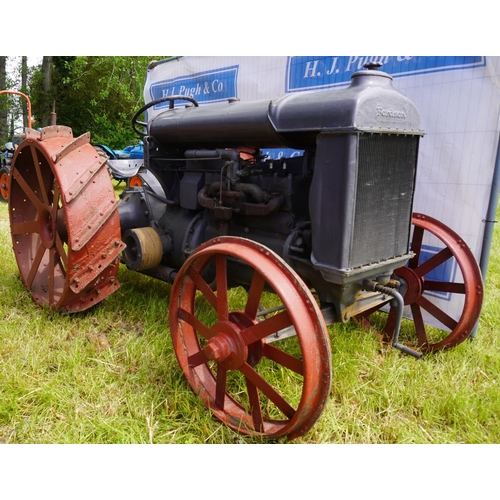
{"x": 224, "y": 346}
{"x": 427, "y": 290}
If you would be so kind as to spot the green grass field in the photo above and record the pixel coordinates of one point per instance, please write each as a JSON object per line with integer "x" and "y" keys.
{"x": 110, "y": 375}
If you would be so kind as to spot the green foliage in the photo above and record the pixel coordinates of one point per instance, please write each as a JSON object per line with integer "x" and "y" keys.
{"x": 96, "y": 94}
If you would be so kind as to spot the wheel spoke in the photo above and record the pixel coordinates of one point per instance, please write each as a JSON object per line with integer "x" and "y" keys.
{"x": 255, "y": 408}
{"x": 192, "y": 320}
{"x": 55, "y": 200}
{"x": 267, "y": 327}
{"x": 27, "y": 190}
{"x": 197, "y": 359}
{"x": 420, "y": 329}
{"x": 284, "y": 359}
{"x": 416, "y": 246}
{"x": 434, "y": 261}
{"x": 28, "y": 227}
{"x": 36, "y": 163}
{"x": 390, "y": 326}
{"x": 52, "y": 271}
{"x": 203, "y": 287}
{"x": 254, "y": 295}
{"x": 267, "y": 390}
{"x": 220, "y": 386}
{"x": 439, "y": 314}
{"x": 35, "y": 265}
{"x": 221, "y": 282}
{"x": 441, "y": 286}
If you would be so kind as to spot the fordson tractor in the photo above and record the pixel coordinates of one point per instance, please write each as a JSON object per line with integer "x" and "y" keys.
{"x": 261, "y": 253}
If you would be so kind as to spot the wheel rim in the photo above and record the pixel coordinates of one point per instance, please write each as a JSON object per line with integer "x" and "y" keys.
{"x": 228, "y": 354}
{"x": 418, "y": 277}
{"x": 4, "y": 185}
{"x": 64, "y": 224}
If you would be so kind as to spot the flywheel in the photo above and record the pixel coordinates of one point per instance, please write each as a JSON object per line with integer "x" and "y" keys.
{"x": 64, "y": 221}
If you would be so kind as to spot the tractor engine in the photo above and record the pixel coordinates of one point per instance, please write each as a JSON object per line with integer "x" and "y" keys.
{"x": 338, "y": 210}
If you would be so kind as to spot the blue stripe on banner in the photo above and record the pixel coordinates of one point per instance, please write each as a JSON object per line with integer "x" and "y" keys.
{"x": 446, "y": 272}
{"x": 315, "y": 72}
{"x": 208, "y": 86}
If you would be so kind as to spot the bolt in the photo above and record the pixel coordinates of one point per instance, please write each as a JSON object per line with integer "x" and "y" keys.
{"x": 216, "y": 350}
{"x": 213, "y": 352}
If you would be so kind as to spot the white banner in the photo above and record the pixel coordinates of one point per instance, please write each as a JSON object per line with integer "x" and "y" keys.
{"x": 458, "y": 99}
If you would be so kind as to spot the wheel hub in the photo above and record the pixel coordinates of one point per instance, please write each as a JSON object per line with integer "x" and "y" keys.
{"x": 226, "y": 347}
{"x": 46, "y": 226}
{"x": 414, "y": 284}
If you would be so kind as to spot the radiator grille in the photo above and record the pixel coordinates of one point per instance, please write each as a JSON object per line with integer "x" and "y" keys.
{"x": 385, "y": 183}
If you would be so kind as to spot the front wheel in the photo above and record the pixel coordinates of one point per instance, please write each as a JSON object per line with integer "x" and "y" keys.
{"x": 252, "y": 385}
{"x": 429, "y": 288}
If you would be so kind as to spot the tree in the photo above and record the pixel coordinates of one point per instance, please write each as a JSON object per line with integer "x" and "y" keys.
{"x": 24, "y": 89}
{"x": 96, "y": 94}
{"x": 41, "y": 91}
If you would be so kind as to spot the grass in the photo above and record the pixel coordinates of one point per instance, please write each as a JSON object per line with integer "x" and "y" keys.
{"x": 110, "y": 375}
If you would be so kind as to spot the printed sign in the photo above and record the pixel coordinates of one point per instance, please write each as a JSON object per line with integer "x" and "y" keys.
{"x": 308, "y": 73}
{"x": 207, "y": 86}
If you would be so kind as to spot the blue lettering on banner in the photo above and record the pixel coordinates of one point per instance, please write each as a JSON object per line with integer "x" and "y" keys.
{"x": 315, "y": 72}
{"x": 208, "y": 86}
{"x": 277, "y": 154}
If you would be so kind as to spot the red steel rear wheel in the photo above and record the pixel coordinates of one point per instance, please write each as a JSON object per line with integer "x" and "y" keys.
{"x": 250, "y": 384}
{"x": 64, "y": 223}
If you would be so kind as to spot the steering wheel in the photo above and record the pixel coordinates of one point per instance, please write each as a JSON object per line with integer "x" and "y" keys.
{"x": 171, "y": 99}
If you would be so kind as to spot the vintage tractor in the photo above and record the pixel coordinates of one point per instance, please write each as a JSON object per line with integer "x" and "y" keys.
{"x": 261, "y": 253}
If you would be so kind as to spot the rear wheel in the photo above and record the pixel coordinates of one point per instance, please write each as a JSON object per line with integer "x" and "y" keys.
{"x": 64, "y": 223}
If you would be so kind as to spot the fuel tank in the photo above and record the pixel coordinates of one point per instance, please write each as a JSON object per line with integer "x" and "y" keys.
{"x": 369, "y": 104}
